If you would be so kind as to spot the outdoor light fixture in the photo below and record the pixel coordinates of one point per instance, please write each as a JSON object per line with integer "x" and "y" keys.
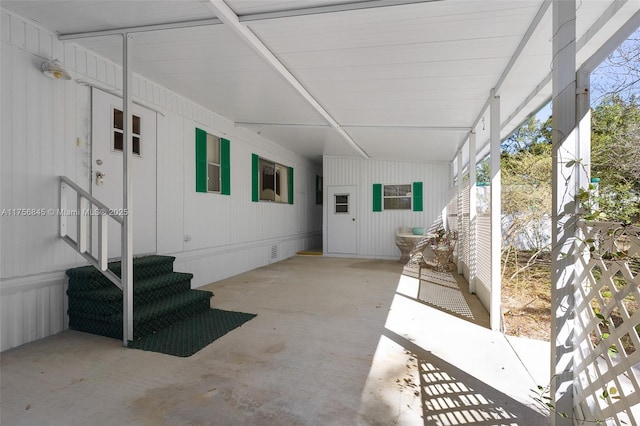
{"x": 54, "y": 70}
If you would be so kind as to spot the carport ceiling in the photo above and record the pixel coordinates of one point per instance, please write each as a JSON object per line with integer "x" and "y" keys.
{"x": 403, "y": 80}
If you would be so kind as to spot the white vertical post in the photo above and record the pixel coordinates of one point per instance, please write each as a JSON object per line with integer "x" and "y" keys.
{"x": 127, "y": 231}
{"x": 82, "y": 224}
{"x": 472, "y": 212}
{"x": 63, "y": 206}
{"x": 460, "y": 208}
{"x": 565, "y": 183}
{"x": 103, "y": 242}
{"x": 495, "y": 314}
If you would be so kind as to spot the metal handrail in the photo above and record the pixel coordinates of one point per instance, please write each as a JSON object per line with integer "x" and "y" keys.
{"x": 84, "y": 227}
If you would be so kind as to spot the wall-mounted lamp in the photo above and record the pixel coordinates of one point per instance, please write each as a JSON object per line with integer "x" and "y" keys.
{"x": 54, "y": 70}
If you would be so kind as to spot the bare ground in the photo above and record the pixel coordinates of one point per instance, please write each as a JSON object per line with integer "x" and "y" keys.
{"x": 526, "y": 297}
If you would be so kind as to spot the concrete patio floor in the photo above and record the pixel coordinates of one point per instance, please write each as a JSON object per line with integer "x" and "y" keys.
{"x": 336, "y": 342}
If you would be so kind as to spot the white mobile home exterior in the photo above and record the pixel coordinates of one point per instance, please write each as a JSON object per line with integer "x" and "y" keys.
{"x": 46, "y": 133}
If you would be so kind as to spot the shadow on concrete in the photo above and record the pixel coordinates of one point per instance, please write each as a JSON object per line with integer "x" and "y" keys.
{"x": 450, "y": 396}
{"x": 448, "y": 292}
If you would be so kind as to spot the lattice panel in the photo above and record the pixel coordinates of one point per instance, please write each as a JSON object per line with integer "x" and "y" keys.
{"x": 607, "y": 322}
{"x": 463, "y": 228}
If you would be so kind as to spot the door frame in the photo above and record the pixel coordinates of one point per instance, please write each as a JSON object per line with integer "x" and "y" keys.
{"x": 100, "y": 123}
{"x": 352, "y": 191}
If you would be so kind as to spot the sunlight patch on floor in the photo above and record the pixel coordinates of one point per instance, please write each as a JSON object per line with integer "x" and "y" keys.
{"x": 433, "y": 368}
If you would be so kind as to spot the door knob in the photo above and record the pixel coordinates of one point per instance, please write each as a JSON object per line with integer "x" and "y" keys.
{"x": 353, "y": 219}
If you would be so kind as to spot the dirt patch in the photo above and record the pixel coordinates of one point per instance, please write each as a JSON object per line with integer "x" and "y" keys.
{"x": 526, "y": 296}
{"x": 526, "y": 300}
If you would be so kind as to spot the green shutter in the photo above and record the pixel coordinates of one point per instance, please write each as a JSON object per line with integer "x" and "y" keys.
{"x": 377, "y": 197}
{"x": 255, "y": 181}
{"x": 290, "y": 181}
{"x": 417, "y": 196}
{"x": 225, "y": 167}
{"x": 201, "y": 160}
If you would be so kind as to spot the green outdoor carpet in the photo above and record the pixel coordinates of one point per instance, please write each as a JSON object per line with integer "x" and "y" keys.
{"x": 189, "y": 336}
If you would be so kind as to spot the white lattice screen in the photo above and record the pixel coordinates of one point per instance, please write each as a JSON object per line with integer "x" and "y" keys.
{"x": 607, "y": 322}
{"x": 463, "y": 230}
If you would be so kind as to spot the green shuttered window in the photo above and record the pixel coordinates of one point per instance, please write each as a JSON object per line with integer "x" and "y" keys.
{"x": 213, "y": 163}
{"x": 271, "y": 181}
{"x": 398, "y": 197}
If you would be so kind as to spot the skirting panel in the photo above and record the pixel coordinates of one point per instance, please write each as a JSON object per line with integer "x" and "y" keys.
{"x": 32, "y": 308}
{"x": 211, "y": 265}
{"x": 35, "y": 307}
{"x": 483, "y": 291}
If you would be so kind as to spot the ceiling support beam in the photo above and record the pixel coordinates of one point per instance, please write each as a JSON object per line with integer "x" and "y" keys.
{"x": 307, "y": 126}
{"x": 252, "y": 17}
{"x": 230, "y": 19}
{"x": 622, "y": 34}
{"x": 140, "y": 29}
{"x": 434, "y": 128}
{"x": 361, "y": 126}
{"x": 317, "y": 10}
{"x": 612, "y": 44}
{"x": 523, "y": 43}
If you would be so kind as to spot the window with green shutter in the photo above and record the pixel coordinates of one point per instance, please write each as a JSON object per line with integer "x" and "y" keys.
{"x": 213, "y": 163}
{"x": 271, "y": 181}
{"x": 397, "y": 197}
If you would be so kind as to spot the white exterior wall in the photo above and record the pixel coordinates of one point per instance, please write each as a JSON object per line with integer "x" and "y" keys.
{"x": 45, "y": 131}
{"x": 376, "y": 230}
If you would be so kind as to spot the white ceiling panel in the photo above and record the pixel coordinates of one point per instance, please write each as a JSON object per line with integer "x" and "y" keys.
{"x": 309, "y": 141}
{"x": 430, "y": 64}
{"x": 71, "y": 16}
{"x": 407, "y": 143}
{"x": 405, "y": 81}
{"x": 212, "y": 67}
{"x": 245, "y": 7}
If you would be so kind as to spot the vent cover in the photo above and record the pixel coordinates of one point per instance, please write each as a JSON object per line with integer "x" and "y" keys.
{"x": 274, "y": 252}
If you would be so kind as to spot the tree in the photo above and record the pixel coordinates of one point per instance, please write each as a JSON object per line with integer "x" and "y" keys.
{"x": 619, "y": 74}
{"x": 526, "y": 192}
{"x": 615, "y": 157}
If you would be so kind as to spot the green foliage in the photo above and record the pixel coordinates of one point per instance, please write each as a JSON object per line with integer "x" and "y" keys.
{"x": 526, "y": 179}
{"x": 615, "y": 158}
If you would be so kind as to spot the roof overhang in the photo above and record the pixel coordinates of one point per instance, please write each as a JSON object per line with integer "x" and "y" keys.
{"x": 385, "y": 79}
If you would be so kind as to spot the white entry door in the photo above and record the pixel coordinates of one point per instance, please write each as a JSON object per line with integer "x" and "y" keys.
{"x": 342, "y": 225}
{"x": 107, "y": 167}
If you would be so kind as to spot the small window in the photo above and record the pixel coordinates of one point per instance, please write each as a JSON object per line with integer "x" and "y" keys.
{"x": 397, "y": 197}
{"x": 213, "y": 163}
{"x": 341, "y": 203}
{"x": 274, "y": 181}
{"x": 118, "y": 132}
